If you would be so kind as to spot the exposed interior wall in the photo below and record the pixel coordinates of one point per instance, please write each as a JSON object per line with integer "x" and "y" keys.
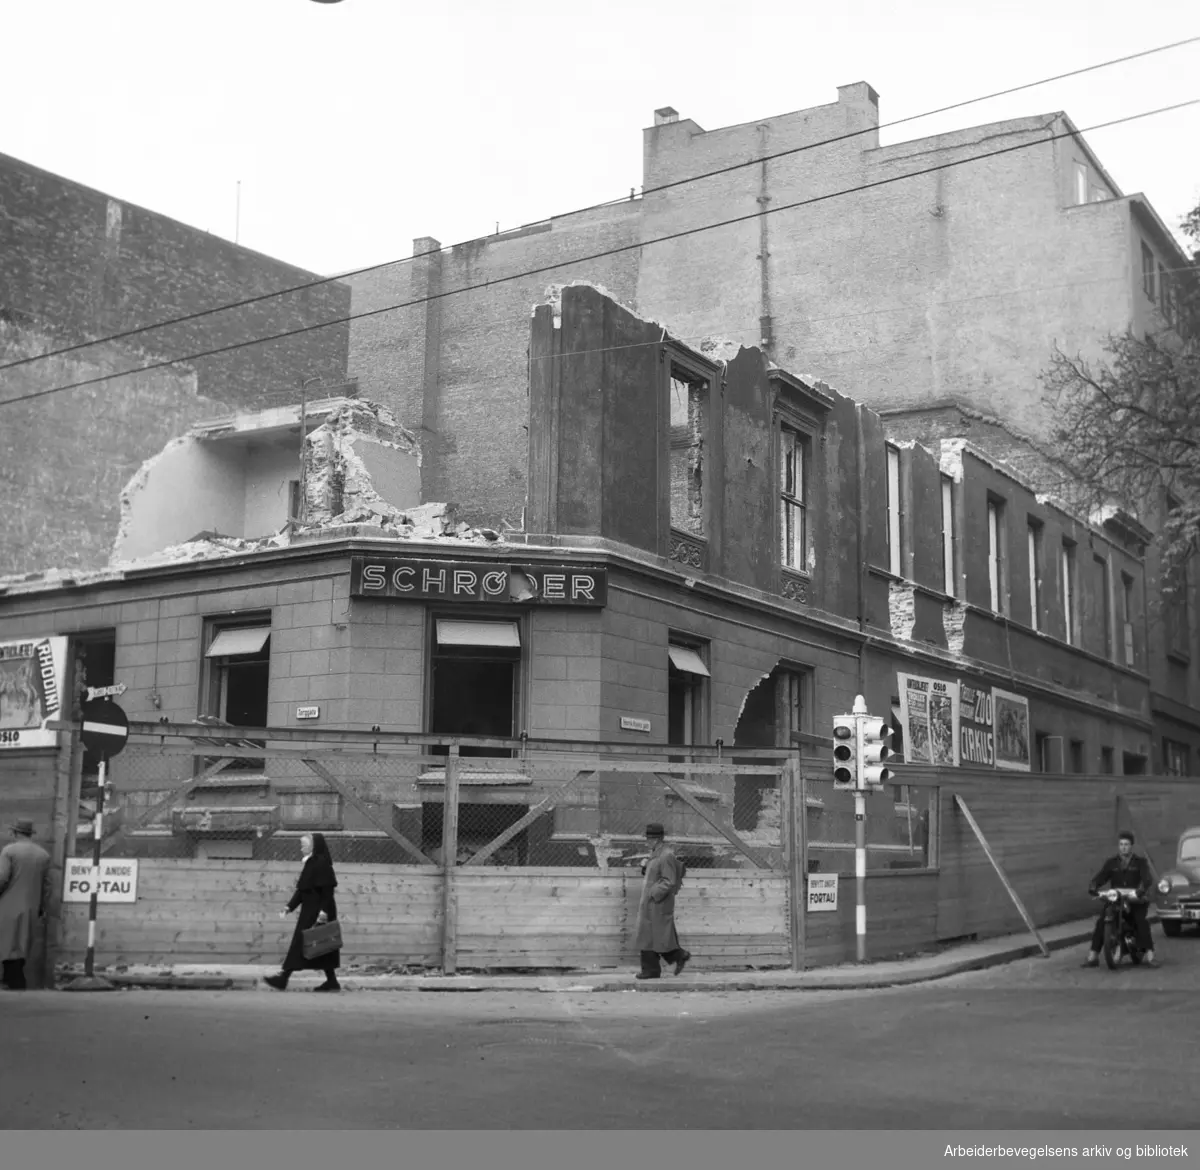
{"x": 269, "y": 471}
{"x": 189, "y": 487}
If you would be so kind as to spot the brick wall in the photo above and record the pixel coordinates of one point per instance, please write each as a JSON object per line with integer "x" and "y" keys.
{"x": 80, "y": 264}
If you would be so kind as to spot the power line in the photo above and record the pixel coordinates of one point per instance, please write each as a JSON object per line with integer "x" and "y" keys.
{"x": 125, "y": 334}
{"x": 234, "y": 346}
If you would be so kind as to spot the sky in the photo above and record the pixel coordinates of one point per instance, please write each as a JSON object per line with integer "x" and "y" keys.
{"x": 355, "y": 127}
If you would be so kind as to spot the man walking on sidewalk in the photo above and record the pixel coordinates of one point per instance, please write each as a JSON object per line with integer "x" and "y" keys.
{"x": 656, "y": 915}
{"x": 24, "y": 898}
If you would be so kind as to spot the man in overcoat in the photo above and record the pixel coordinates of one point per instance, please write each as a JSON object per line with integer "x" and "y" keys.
{"x": 656, "y": 935}
{"x": 24, "y": 898}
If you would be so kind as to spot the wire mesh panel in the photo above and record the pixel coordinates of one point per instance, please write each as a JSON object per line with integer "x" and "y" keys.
{"x": 548, "y": 811}
{"x": 201, "y": 799}
{"x": 900, "y": 828}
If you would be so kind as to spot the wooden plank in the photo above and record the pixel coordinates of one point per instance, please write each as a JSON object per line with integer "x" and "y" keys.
{"x": 728, "y": 834}
{"x": 450, "y": 864}
{"x": 351, "y": 798}
{"x": 550, "y": 800}
{"x": 1012, "y": 893}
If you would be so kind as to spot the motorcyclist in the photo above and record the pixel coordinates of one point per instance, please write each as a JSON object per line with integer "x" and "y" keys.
{"x": 1126, "y": 871}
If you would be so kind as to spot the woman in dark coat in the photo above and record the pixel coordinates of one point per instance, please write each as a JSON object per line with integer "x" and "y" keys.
{"x": 314, "y": 897}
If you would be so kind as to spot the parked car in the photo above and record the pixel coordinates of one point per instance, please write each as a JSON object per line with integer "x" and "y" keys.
{"x": 1178, "y": 898}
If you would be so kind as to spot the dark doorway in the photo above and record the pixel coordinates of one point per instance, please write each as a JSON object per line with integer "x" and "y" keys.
{"x": 246, "y": 692}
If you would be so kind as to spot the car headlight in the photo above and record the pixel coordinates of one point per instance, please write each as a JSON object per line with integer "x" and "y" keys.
{"x": 1164, "y": 886}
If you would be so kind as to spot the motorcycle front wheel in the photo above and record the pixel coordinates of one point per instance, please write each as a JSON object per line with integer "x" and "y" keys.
{"x": 1112, "y": 945}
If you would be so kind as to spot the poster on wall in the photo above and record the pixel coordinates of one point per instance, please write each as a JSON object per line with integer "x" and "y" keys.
{"x": 32, "y": 675}
{"x": 976, "y": 732}
{"x": 1011, "y": 714}
{"x": 928, "y": 719}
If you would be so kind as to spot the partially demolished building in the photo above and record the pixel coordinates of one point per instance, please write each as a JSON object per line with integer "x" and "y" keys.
{"x": 714, "y": 550}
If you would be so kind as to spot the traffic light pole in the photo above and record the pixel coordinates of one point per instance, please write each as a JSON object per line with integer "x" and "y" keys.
{"x": 860, "y": 875}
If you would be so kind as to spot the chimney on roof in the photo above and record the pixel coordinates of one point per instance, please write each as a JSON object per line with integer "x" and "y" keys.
{"x": 665, "y": 115}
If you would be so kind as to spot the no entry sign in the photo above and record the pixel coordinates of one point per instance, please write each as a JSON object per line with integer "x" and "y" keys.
{"x": 105, "y": 728}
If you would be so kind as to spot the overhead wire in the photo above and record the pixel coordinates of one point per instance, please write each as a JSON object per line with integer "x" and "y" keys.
{"x": 755, "y": 161}
{"x": 525, "y": 273}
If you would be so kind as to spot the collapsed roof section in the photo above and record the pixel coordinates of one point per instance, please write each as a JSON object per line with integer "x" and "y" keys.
{"x": 250, "y": 482}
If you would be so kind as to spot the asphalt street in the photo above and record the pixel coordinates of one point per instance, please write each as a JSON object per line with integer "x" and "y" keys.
{"x": 1035, "y": 1044}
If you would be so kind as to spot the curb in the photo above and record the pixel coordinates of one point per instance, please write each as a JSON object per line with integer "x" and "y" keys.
{"x": 844, "y": 980}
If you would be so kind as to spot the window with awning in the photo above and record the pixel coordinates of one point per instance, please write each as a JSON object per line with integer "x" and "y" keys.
{"x": 456, "y": 633}
{"x": 688, "y": 660}
{"x": 231, "y": 643}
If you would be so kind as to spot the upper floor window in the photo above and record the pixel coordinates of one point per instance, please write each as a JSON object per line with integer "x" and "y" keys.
{"x": 948, "y": 535}
{"x": 1127, "y": 617}
{"x": 1035, "y": 574}
{"x": 1148, "y": 273}
{"x": 1098, "y": 195}
{"x": 895, "y": 564}
{"x": 1103, "y": 607}
{"x": 996, "y": 550}
{"x": 1068, "y": 590}
{"x": 794, "y": 448}
{"x": 1081, "y": 182}
{"x": 689, "y": 419}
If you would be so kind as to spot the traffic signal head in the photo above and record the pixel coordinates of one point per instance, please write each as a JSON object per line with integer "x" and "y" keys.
{"x": 873, "y": 750}
{"x": 845, "y": 752}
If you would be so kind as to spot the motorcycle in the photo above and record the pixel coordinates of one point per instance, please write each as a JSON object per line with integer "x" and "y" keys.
{"x": 1120, "y": 932}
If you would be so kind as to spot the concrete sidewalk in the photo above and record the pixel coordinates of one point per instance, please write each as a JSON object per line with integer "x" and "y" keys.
{"x": 847, "y": 977}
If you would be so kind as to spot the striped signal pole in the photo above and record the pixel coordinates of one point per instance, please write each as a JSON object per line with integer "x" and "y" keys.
{"x": 105, "y": 731}
{"x": 89, "y": 965}
{"x": 860, "y": 838}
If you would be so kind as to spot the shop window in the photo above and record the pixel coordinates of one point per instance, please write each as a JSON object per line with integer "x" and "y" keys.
{"x": 95, "y": 657}
{"x": 794, "y": 450}
{"x": 1077, "y": 756}
{"x": 1133, "y": 764}
{"x": 687, "y": 689}
{"x": 237, "y": 670}
{"x": 1049, "y": 751}
{"x": 1176, "y": 758}
{"x": 476, "y": 671}
{"x": 689, "y": 424}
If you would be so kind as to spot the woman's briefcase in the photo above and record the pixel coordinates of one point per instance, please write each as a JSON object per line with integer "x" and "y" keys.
{"x": 321, "y": 939}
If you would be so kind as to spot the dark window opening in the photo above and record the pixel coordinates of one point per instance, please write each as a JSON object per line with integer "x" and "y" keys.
{"x": 686, "y": 675}
{"x": 475, "y": 683}
{"x": 238, "y": 682}
{"x": 1133, "y": 764}
{"x": 1077, "y": 756}
{"x": 1106, "y": 760}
